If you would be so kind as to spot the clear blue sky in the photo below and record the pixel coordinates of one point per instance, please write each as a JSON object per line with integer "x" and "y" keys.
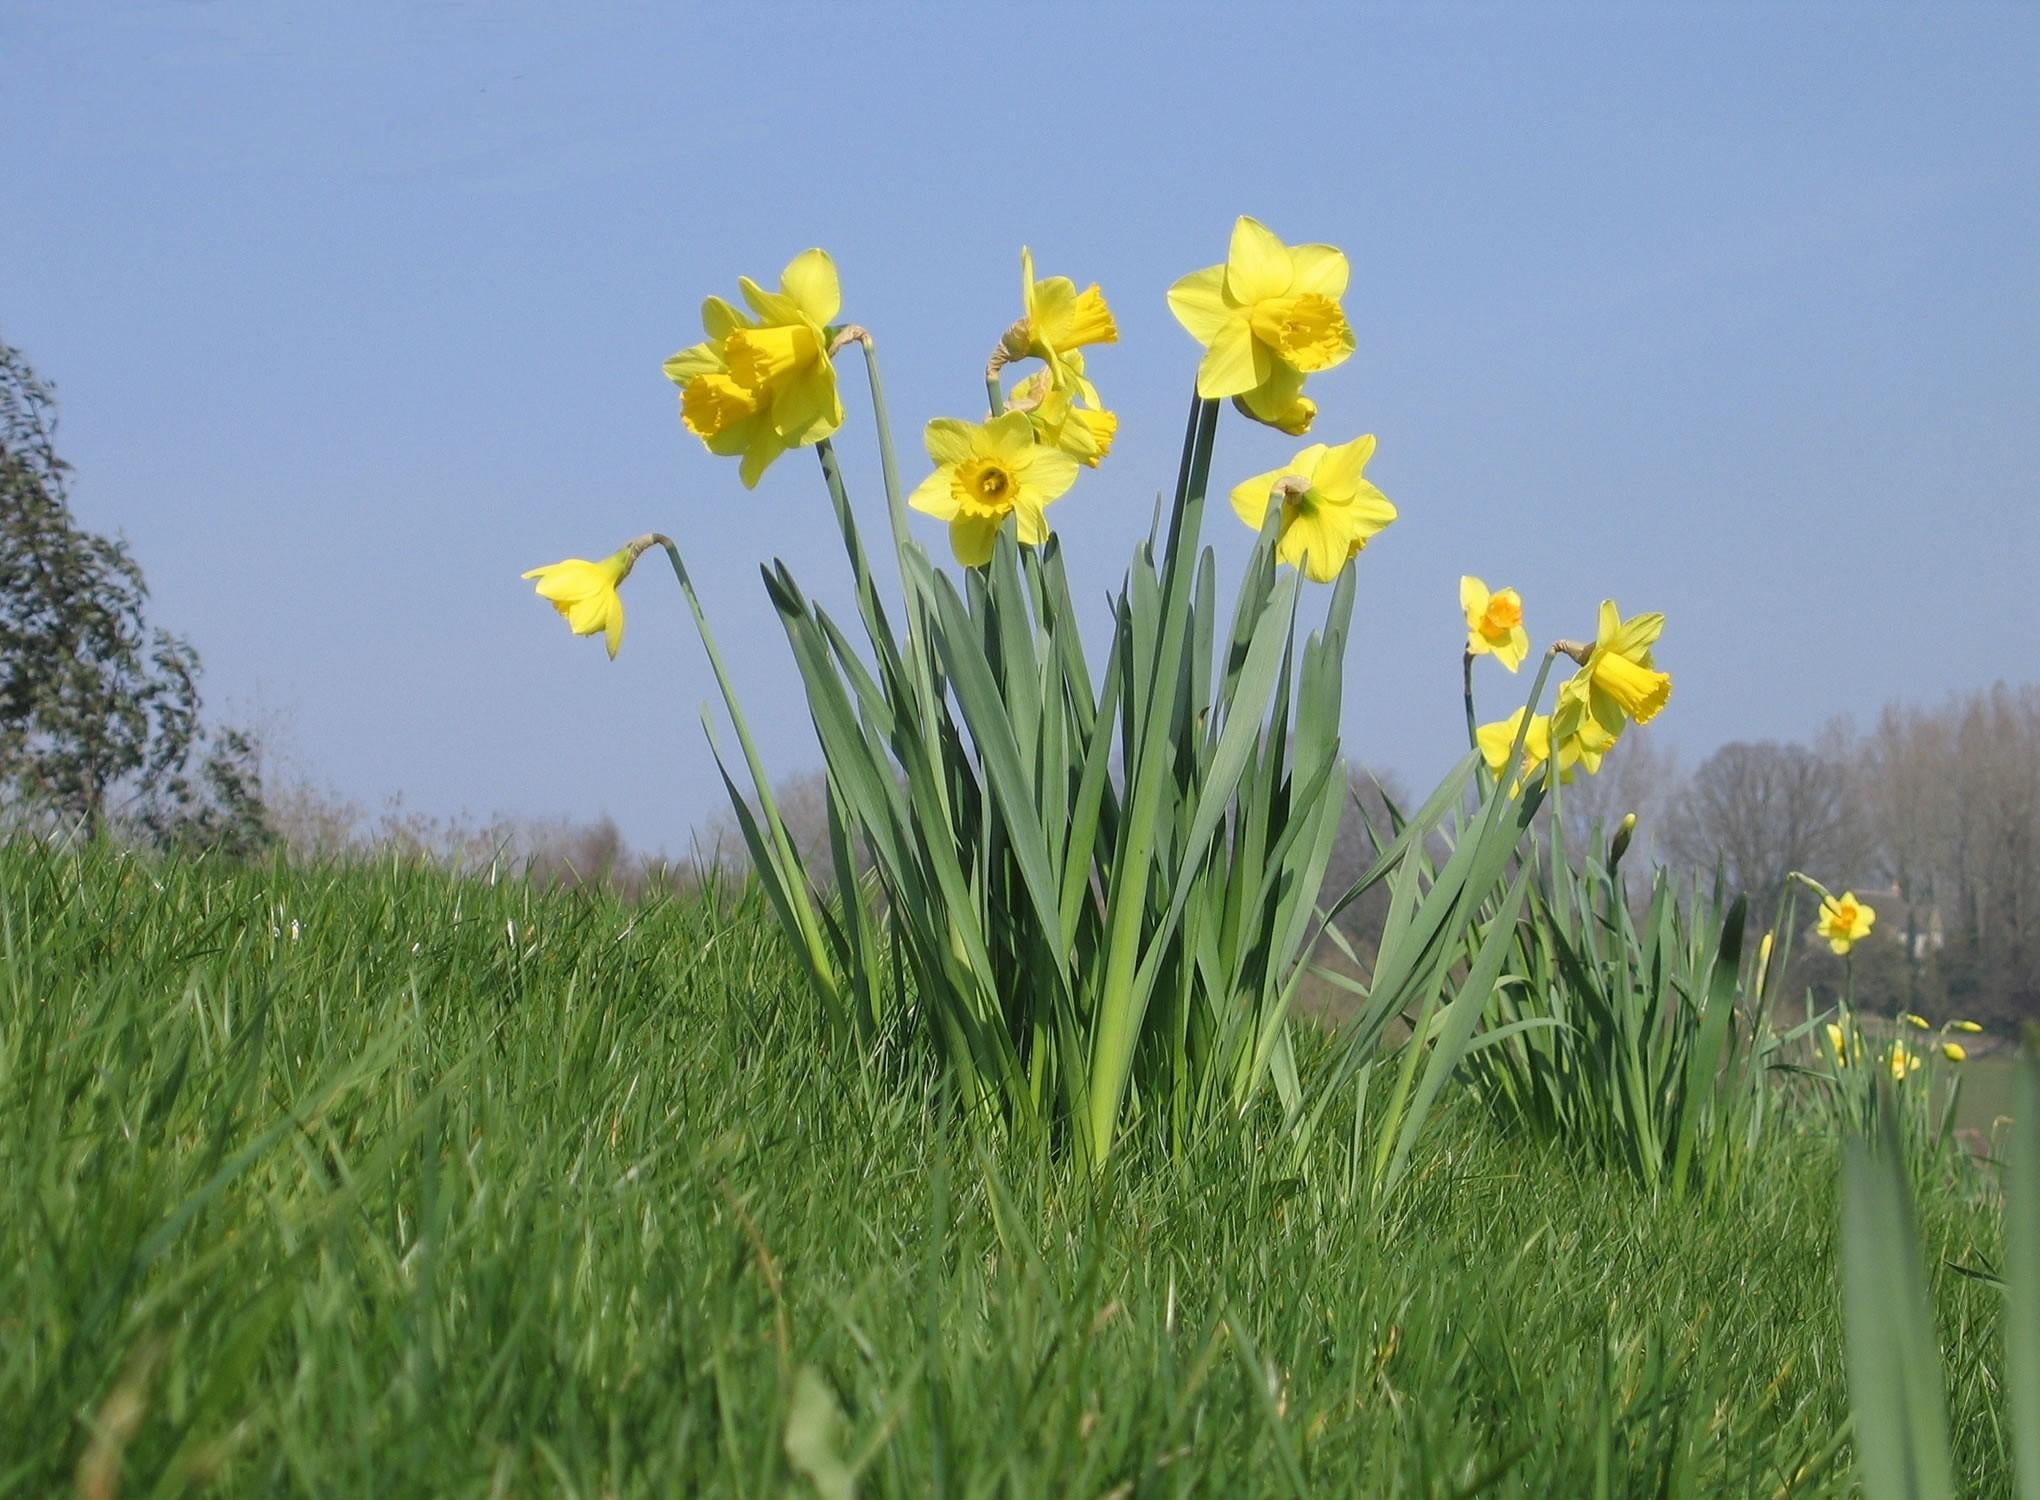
{"x": 357, "y": 311}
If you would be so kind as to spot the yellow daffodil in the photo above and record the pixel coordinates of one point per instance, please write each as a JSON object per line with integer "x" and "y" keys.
{"x": 1763, "y": 963}
{"x": 1918, "y": 1023}
{"x": 1838, "y": 1043}
{"x": 1844, "y": 921}
{"x": 1954, "y": 1052}
{"x": 1329, "y": 510}
{"x": 983, "y": 474}
{"x": 585, "y": 592}
{"x": 1970, "y": 1027}
{"x": 1059, "y": 319}
{"x": 762, "y": 382}
{"x": 1616, "y": 683}
{"x": 1494, "y": 623}
{"x": 1903, "y": 1061}
{"x": 1052, "y": 396}
{"x": 1267, "y": 318}
{"x": 1583, "y": 749}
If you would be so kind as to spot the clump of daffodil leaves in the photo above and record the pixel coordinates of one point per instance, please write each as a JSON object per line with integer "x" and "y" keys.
{"x": 1088, "y": 886}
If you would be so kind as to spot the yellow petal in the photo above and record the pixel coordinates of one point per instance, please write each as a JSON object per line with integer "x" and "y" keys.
{"x": 570, "y": 581}
{"x": 590, "y": 614}
{"x": 1250, "y": 497}
{"x": 1235, "y": 363}
{"x": 1473, "y": 598}
{"x": 948, "y": 440}
{"x": 808, "y": 408}
{"x": 1338, "y": 472}
{"x": 810, "y": 281}
{"x": 1045, "y": 473}
{"x": 1198, "y": 301}
{"x": 1313, "y": 542}
{"x": 936, "y": 495}
{"x": 766, "y": 446}
{"x": 1257, "y": 265}
{"x": 613, "y": 627}
{"x": 1320, "y": 269}
{"x": 695, "y": 359}
{"x": 971, "y": 539}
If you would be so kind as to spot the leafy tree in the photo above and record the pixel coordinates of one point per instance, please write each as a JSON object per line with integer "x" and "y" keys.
{"x": 99, "y": 711}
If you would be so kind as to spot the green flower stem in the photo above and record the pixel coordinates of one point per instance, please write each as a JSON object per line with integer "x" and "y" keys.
{"x": 994, "y": 397}
{"x": 1472, "y": 724}
{"x": 794, "y": 880}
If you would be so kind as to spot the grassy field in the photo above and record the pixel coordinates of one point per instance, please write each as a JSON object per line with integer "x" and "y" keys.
{"x": 383, "y": 1182}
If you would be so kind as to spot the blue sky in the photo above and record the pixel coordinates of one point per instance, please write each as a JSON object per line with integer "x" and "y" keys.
{"x": 357, "y": 311}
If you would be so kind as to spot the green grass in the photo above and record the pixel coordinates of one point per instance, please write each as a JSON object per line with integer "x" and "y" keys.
{"x": 473, "y": 1190}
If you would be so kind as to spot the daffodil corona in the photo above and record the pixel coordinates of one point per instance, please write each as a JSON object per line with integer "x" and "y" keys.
{"x": 762, "y": 382}
{"x": 586, "y": 592}
{"x": 985, "y": 473}
{"x": 1329, "y": 510}
{"x": 1844, "y": 921}
{"x": 1267, "y": 318}
{"x": 1494, "y": 623}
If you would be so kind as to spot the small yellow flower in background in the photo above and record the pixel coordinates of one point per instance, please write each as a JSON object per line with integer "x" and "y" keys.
{"x": 1267, "y": 318}
{"x": 1954, "y": 1052}
{"x": 1965, "y": 1026}
{"x": 1844, "y": 921}
{"x": 1616, "y": 684}
{"x": 1494, "y": 623}
{"x": 585, "y": 592}
{"x": 1838, "y": 1043}
{"x": 1763, "y": 963}
{"x": 1918, "y": 1023}
{"x": 1059, "y": 318}
{"x": 1903, "y": 1061}
{"x": 985, "y": 473}
{"x": 762, "y": 382}
{"x": 1050, "y": 397}
{"x": 1497, "y": 739}
{"x": 1581, "y": 750}
{"x": 1329, "y": 510}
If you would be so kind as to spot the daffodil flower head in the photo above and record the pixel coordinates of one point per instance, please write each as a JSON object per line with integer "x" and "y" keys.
{"x": 586, "y": 593}
{"x": 1971, "y": 1028}
{"x": 1496, "y": 740}
{"x": 1838, "y": 1043}
{"x": 1329, "y": 510}
{"x": 985, "y": 473}
{"x": 1616, "y": 684}
{"x": 1904, "y": 1061}
{"x": 762, "y": 381}
{"x": 1494, "y": 622}
{"x": 1052, "y": 396}
{"x": 1955, "y": 1052}
{"x": 1059, "y": 319}
{"x": 1844, "y": 921}
{"x": 1267, "y": 318}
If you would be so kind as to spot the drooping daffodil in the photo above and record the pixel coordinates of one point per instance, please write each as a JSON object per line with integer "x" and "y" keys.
{"x": 1329, "y": 510}
{"x": 762, "y": 381}
{"x": 1844, "y": 921}
{"x": 1059, "y": 319}
{"x": 1267, "y": 318}
{"x": 586, "y": 592}
{"x": 1955, "y": 1052}
{"x": 1903, "y": 1061}
{"x": 1494, "y": 622}
{"x": 1616, "y": 684}
{"x": 1053, "y": 398}
{"x": 985, "y": 473}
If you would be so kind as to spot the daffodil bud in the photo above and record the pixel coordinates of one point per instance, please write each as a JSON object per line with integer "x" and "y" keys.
{"x": 1623, "y": 833}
